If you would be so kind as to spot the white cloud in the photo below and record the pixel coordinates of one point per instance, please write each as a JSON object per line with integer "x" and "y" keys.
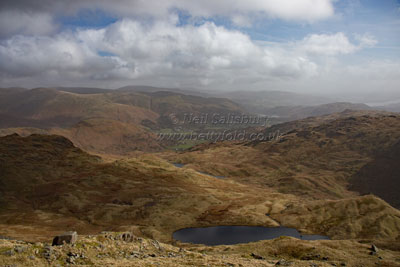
{"x": 324, "y": 44}
{"x": 308, "y": 10}
{"x": 24, "y": 56}
{"x": 240, "y": 12}
{"x": 335, "y": 44}
{"x": 193, "y": 56}
{"x": 164, "y": 54}
{"x": 366, "y": 40}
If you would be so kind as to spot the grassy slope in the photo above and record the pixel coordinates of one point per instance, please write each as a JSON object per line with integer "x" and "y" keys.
{"x": 111, "y": 122}
{"x": 60, "y": 108}
{"x": 380, "y": 176}
{"x": 312, "y": 161}
{"x": 47, "y": 182}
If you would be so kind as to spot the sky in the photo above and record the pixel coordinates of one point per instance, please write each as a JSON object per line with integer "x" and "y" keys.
{"x": 326, "y": 47}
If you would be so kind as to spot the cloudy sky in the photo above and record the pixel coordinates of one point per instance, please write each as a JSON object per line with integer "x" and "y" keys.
{"x": 318, "y": 46}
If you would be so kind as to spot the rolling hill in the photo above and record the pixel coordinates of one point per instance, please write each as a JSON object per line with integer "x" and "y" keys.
{"x": 102, "y": 121}
{"x": 291, "y": 113}
{"x": 301, "y": 180}
{"x": 380, "y": 176}
{"x": 261, "y": 101}
{"x": 315, "y": 158}
{"x": 55, "y": 185}
{"x": 122, "y": 121}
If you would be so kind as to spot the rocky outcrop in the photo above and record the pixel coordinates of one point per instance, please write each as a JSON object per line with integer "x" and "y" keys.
{"x": 65, "y": 238}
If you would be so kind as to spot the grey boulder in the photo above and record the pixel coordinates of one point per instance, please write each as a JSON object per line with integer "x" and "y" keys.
{"x": 65, "y": 238}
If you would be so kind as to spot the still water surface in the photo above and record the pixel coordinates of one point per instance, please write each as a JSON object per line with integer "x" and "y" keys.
{"x": 229, "y": 235}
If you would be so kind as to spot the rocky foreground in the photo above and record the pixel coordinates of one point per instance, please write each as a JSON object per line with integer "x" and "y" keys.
{"x": 125, "y": 249}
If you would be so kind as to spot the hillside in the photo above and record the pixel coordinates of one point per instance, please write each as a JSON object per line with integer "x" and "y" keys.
{"x": 57, "y": 108}
{"x": 83, "y": 90}
{"x": 56, "y": 185}
{"x": 291, "y": 113}
{"x": 315, "y": 158}
{"x": 380, "y": 176}
{"x": 65, "y": 106}
{"x": 167, "y": 103}
{"x": 152, "y": 89}
{"x": 48, "y": 185}
{"x": 110, "y": 137}
{"x": 116, "y": 122}
{"x": 262, "y": 101}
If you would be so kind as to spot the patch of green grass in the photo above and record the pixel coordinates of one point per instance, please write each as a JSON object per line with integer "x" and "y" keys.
{"x": 92, "y": 244}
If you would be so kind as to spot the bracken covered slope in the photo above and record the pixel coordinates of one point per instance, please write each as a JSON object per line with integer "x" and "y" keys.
{"x": 381, "y": 176}
{"x": 315, "y": 159}
{"x": 113, "y": 122}
{"x": 48, "y": 185}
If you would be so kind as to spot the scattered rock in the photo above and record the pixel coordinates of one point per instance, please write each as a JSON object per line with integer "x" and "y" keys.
{"x": 20, "y": 249}
{"x": 374, "y": 248}
{"x": 71, "y": 260}
{"x": 135, "y": 254}
{"x": 257, "y": 257}
{"x": 157, "y": 245}
{"x": 172, "y": 255}
{"x": 72, "y": 255}
{"x": 9, "y": 253}
{"x": 67, "y": 237}
{"x": 127, "y": 237}
{"x": 31, "y": 257}
{"x": 283, "y": 262}
{"x": 47, "y": 252}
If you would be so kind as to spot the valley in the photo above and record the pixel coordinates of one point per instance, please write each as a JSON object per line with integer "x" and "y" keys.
{"x": 91, "y": 161}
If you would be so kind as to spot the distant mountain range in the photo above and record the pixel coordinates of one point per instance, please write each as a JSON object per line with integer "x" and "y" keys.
{"x": 127, "y": 119}
{"x": 290, "y": 113}
{"x": 100, "y": 120}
